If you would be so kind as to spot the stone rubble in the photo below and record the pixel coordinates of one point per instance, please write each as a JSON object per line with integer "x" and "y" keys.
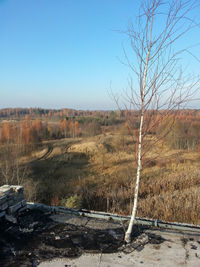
{"x": 12, "y": 202}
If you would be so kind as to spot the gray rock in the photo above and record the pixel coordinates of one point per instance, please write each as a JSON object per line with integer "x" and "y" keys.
{"x": 4, "y": 206}
{"x": 14, "y": 208}
{"x": 10, "y": 218}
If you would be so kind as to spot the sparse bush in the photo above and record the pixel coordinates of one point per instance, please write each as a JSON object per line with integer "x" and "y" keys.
{"x": 73, "y": 202}
{"x": 183, "y": 135}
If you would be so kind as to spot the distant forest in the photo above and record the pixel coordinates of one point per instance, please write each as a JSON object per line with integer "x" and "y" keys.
{"x": 30, "y": 126}
{"x": 14, "y": 113}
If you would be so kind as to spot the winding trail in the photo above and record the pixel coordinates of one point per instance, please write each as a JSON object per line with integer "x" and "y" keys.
{"x": 47, "y": 154}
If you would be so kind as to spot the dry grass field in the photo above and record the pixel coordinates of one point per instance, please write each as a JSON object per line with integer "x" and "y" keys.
{"x": 99, "y": 173}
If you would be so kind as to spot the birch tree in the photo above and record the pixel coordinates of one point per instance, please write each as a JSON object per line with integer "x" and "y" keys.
{"x": 158, "y": 83}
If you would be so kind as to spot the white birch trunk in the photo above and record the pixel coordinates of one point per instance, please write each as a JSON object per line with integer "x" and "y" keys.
{"x": 130, "y": 227}
{"x": 143, "y": 89}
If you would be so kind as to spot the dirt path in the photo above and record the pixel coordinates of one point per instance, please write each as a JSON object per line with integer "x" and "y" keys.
{"x": 47, "y": 153}
{"x": 58, "y": 145}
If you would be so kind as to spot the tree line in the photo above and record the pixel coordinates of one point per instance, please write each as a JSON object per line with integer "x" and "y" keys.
{"x": 183, "y": 132}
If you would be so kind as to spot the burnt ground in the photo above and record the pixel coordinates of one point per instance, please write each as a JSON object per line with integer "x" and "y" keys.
{"x": 36, "y": 237}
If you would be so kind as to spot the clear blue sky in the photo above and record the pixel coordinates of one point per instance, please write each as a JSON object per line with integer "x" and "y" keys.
{"x": 63, "y": 53}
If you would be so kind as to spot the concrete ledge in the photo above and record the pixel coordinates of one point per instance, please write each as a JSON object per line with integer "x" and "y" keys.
{"x": 11, "y": 200}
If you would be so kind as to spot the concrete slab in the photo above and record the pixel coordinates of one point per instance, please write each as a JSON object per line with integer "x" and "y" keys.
{"x": 65, "y": 218}
{"x": 85, "y": 221}
{"x": 5, "y": 190}
{"x": 178, "y": 249}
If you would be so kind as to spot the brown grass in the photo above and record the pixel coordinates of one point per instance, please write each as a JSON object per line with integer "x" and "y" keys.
{"x": 102, "y": 169}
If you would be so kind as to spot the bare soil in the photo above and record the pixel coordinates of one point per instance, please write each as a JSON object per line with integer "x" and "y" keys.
{"x": 36, "y": 237}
